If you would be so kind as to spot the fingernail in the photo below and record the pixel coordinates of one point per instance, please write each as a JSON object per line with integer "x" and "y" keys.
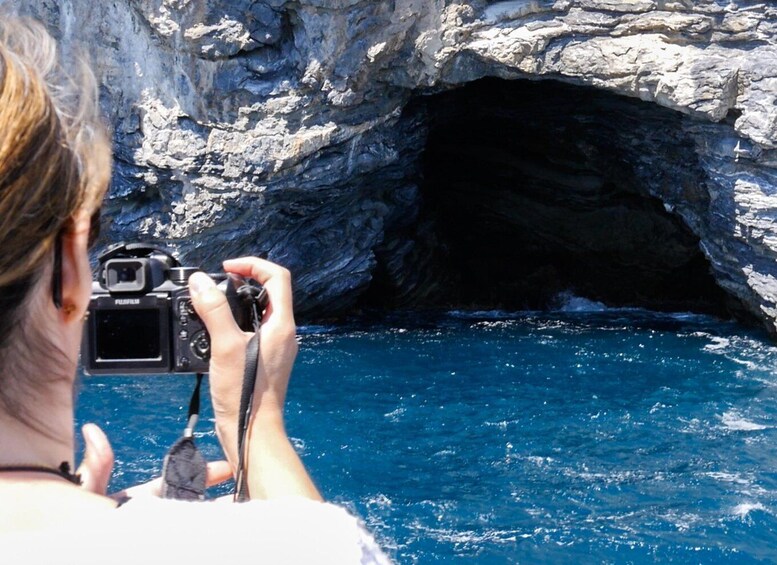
{"x": 199, "y": 283}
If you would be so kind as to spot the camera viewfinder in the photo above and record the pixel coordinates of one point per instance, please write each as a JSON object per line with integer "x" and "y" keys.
{"x": 127, "y": 275}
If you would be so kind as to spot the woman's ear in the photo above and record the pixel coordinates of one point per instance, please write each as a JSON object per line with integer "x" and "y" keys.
{"x": 76, "y": 274}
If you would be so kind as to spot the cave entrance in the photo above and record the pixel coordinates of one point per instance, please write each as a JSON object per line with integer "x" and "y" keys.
{"x": 532, "y": 189}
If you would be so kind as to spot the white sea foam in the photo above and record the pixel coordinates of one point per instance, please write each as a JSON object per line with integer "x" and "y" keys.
{"x": 656, "y": 407}
{"x": 718, "y": 343}
{"x": 724, "y": 477}
{"x": 742, "y": 510}
{"x": 753, "y": 354}
{"x": 502, "y": 424}
{"x": 683, "y": 521}
{"x": 299, "y": 444}
{"x": 568, "y": 302}
{"x": 472, "y": 537}
{"x": 380, "y": 500}
{"x": 693, "y": 426}
{"x": 394, "y": 415}
{"x": 494, "y": 324}
{"x": 484, "y": 314}
{"x": 315, "y": 329}
{"x": 540, "y": 461}
{"x": 734, "y": 421}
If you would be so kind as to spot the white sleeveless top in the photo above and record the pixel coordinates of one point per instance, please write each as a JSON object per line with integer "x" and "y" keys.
{"x": 151, "y": 530}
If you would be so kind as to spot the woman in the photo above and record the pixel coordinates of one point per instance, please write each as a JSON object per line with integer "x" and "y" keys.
{"x": 54, "y": 170}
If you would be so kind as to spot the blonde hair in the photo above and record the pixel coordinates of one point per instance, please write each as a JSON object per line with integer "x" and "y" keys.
{"x": 54, "y": 155}
{"x": 54, "y": 162}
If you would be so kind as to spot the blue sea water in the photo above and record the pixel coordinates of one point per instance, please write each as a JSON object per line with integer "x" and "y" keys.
{"x": 613, "y": 436}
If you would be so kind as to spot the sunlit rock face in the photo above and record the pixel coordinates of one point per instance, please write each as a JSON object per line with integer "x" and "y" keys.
{"x": 312, "y": 131}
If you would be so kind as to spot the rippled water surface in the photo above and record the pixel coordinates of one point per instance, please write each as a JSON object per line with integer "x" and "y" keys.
{"x": 621, "y": 437}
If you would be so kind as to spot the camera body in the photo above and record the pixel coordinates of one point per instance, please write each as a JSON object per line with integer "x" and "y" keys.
{"x": 141, "y": 319}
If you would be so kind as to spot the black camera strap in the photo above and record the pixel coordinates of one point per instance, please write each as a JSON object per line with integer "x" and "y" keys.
{"x": 244, "y": 415}
{"x": 185, "y": 471}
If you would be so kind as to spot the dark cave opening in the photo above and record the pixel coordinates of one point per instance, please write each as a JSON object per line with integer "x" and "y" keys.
{"x": 528, "y": 190}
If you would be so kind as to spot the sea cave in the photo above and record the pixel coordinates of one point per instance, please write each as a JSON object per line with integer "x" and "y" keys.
{"x": 529, "y": 191}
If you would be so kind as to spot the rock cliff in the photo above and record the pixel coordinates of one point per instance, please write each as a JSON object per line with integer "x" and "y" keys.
{"x": 631, "y": 143}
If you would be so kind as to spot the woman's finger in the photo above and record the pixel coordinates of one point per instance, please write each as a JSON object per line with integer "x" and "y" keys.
{"x": 274, "y": 278}
{"x": 217, "y": 472}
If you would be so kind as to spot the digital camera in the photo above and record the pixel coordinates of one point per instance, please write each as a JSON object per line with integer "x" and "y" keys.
{"x": 141, "y": 319}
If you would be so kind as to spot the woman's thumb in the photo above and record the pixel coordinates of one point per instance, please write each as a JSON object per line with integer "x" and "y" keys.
{"x": 211, "y": 305}
{"x": 97, "y": 465}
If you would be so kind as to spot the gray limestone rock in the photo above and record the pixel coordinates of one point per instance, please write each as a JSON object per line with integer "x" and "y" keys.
{"x": 287, "y": 129}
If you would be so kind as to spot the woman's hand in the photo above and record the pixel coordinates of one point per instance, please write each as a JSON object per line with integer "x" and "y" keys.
{"x": 277, "y": 346}
{"x": 96, "y": 468}
{"x": 273, "y": 467}
{"x": 278, "y": 336}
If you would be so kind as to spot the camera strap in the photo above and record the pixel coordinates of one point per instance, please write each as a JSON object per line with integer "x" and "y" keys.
{"x": 184, "y": 471}
{"x": 244, "y": 415}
